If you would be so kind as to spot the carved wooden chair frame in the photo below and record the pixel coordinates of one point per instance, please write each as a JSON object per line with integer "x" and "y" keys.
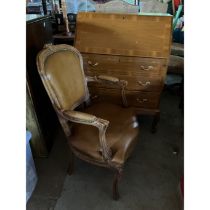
{"x": 66, "y": 116}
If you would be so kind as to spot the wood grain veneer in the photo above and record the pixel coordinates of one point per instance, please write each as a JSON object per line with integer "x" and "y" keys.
{"x": 131, "y": 47}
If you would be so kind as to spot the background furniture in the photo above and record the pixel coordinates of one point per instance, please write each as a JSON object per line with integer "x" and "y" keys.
{"x": 38, "y": 143}
{"x": 61, "y": 37}
{"x": 176, "y": 71}
{"x": 117, "y": 6}
{"x": 153, "y": 6}
{"x": 41, "y": 117}
{"x": 131, "y": 47}
{"x": 103, "y": 134}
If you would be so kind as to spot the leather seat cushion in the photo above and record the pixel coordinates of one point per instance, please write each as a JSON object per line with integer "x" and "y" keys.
{"x": 120, "y": 135}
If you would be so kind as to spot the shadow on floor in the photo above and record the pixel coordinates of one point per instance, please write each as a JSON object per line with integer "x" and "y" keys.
{"x": 150, "y": 180}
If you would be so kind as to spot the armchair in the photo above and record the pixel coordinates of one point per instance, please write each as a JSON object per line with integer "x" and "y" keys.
{"x": 103, "y": 134}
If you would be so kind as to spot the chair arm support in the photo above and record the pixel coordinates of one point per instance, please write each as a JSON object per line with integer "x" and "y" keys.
{"x": 114, "y": 80}
{"x": 88, "y": 119}
{"x": 108, "y": 78}
{"x": 102, "y": 78}
{"x": 80, "y": 117}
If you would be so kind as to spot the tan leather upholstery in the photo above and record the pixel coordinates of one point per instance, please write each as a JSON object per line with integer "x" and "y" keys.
{"x": 102, "y": 134}
{"x": 66, "y": 78}
{"x": 120, "y": 135}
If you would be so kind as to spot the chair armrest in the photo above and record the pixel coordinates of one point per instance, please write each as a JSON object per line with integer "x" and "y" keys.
{"x": 102, "y": 78}
{"x": 88, "y": 119}
{"x": 105, "y": 78}
{"x": 80, "y": 117}
{"x": 108, "y": 78}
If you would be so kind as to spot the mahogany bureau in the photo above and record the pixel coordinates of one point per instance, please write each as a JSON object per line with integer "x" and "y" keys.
{"x": 131, "y": 47}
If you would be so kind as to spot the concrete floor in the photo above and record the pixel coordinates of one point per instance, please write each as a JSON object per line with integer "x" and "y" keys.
{"x": 150, "y": 179}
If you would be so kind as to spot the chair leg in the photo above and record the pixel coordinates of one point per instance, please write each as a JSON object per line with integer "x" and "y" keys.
{"x": 155, "y": 121}
{"x": 71, "y": 165}
{"x": 115, "y": 191}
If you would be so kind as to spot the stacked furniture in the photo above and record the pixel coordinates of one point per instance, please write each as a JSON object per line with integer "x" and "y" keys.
{"x": 175, "y": 71}
{"x": 40, "y": 116}
{"x": 131, "y": 47}
{"x": 117, "y": 6}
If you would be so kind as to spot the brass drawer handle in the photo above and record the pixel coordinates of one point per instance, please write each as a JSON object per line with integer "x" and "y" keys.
{"x": 147, "y": 68}
{"x": 93, "y": 64}
{"x": 142, "y": 100}
{"x": 144, "y": 84}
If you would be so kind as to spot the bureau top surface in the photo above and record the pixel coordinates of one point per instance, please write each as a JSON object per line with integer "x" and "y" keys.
{"x": 124, "y": 34}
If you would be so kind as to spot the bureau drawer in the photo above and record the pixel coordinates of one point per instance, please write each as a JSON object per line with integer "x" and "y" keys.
{"x": 127, "y": 64}
{"x": 147, "y": 100}
{"x": 141, "y": 73}
{"x": 134, "y": 83}
{"x": 105, "y": 95}
{"x": 139, "y": 99}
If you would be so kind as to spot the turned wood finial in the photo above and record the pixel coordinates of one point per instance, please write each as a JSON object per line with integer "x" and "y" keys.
{"x": 65, "y": 17}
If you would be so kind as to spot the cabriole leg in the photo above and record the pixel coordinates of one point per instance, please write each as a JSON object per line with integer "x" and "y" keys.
{"x": 115, "y": 190}
{"x": 155, "y": 121}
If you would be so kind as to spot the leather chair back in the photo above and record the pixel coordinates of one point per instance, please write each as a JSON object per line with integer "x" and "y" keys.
{"x": 61, "y": 70}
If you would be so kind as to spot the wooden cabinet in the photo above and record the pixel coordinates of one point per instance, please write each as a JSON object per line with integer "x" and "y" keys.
{"x": 130, "y": 47}
{"x": 41, "y": 117}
